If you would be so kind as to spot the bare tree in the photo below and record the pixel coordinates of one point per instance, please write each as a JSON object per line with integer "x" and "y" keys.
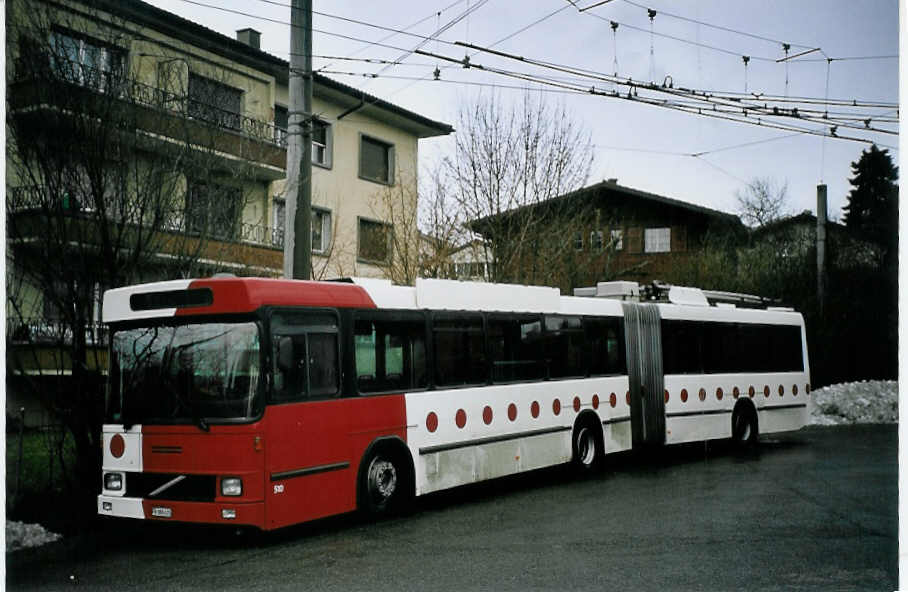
{"x": 396, "y": 240}
{"x": 99, "y": 195}
{"x": 762, "y": 201}
{"x": 508, "y": 160}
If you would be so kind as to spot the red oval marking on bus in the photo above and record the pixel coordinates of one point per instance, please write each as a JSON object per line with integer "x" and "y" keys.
{"x": 719, "y": 393}
{"x": 596, "y": 401}
{"x": 512, "y": 411}
{"x": 613, "y": 400}
{"x": 702, "y": 394}
{"x": 794, "y": 390}
{"x": 735, "y": 392}
{"x": 487, "y": 415}
{"x": 765, "y": 390}
{"x": 627, "y": 397}
{"x": 461, "y": 418}
{"x": 751, "y": 391}
{"x": 117, "y": 446}
{"x": 781, "y": 390}
{"x": 556, "y": 406}
{"x": 576, "y": 404}
{"x": 684, "y": 395}
{"x": 665, "y": 393}
{"x": 807, "y": 388}
{"x": 534, "y": 409}
{"x": 431, "y": 421}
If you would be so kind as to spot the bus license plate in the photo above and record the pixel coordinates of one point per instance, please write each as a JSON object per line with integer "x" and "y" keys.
{"x": 162, "y": 512}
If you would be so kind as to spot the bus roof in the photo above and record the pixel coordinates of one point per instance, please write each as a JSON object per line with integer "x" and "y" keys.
{"x": 226, "y": 295}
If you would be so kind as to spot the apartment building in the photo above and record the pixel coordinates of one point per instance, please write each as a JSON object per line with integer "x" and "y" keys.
{"x": 145, "y": 146}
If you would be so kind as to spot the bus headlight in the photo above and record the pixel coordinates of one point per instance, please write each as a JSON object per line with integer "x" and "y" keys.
{"x": 113, "y": 481}
{"x": 231, "y": 486}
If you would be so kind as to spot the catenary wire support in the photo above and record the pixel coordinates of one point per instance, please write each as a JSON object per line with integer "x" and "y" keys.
{"x": 614, "y": 26}
{"x": 746, "y": 60}
{"x": 786, "y": 47}
{"x": 652, "y": 53}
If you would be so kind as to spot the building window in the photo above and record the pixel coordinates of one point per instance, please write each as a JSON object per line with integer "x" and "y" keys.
{"x": 321, "y": 143}
{"x": 320, "y": 225}
{"x": 617, "y": 238}
{"x": 281, "y": 123}
{"x": 214, "y": 102}
{"x": 657, "y": 240}
{"x": 578, "y": 241}
{"x": 374, "y": 241}
{"x": 213, "y": 210}
{"x": 596, "y": 240}
{"x": 86, "y": 62}
{"x": 280, "y": 219}
{"x": 321, "y": 230}
{"x": 321, "y": 135}
{"x": 376, "y": 160}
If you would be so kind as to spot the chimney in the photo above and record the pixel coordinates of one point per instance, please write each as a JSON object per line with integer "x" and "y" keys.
{"x": 613, "y": 180}
{"x": 250, "y": 37}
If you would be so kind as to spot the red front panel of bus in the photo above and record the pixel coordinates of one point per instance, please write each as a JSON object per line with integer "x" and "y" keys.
{"x": 313, "y": 452}
{"x": 224, "y": 451}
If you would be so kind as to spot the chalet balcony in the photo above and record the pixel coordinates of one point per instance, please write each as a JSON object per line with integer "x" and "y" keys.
{"x": 48, "y": 97}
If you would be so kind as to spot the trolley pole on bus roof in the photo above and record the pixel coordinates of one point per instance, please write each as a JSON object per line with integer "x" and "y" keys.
{"x": 298, "y": 239}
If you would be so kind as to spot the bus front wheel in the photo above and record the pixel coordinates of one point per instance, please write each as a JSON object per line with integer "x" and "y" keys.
{"x": 383, "y": 483}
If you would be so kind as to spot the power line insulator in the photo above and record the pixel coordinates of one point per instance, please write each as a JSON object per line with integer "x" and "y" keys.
{"x": 437, "y": 73}
{"x": 651, "y": 13}
{"x": 614, "y": 25}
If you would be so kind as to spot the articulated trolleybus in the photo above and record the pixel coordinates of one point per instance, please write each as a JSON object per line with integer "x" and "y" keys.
{"x": 267, "y": 402}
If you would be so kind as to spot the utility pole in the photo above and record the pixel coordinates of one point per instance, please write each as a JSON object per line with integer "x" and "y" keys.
{"x": 821, "y": 247}
{"x": 298, "y": 233}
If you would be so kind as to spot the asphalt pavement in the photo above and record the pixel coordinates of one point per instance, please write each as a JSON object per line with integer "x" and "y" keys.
{"x": 815, "y": 509}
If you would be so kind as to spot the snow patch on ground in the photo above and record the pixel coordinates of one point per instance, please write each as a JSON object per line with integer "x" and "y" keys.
{"x": 22, "y": 536}
{"x": 868, "y": 401}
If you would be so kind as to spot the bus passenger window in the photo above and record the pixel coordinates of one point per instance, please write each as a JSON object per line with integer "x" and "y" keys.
{"x": 390, "y": 354}
{"x": 459, "y": 351}
{"x": 605, "y": 339}
{"x": 515, "y": 348}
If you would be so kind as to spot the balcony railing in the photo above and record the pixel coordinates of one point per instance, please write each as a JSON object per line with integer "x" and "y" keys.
{"x": 262, "y": 235}
{"x": 118, "y": 85}
{"x": 30, "y": 199}
{"x": 44, "y": 331}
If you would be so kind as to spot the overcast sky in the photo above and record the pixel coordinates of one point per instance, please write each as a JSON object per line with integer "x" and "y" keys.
{"x": 699, "y": 44}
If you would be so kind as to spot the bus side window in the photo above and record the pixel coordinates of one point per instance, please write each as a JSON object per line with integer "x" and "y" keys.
{"x": 515, "y": 348}
{"x": 459, "y": 350}
{"x": 390, "y": 352}
{"x": 305, "y": 356}
{"x": 605, "y": 339}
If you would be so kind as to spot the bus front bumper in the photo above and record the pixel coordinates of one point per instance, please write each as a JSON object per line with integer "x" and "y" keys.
{"x": 246, "y": 514}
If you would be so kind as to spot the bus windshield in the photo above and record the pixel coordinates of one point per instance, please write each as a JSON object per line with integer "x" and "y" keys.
{"x": 185, "y": 373}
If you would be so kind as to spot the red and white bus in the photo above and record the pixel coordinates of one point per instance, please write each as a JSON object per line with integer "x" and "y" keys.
{"x": 268, "y": 402}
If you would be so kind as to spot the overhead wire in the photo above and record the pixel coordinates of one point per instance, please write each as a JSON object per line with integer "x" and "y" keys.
{"x": 634, "y": 95}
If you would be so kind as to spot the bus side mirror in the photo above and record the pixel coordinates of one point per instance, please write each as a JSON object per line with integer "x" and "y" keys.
{"x": 285, "y": 354}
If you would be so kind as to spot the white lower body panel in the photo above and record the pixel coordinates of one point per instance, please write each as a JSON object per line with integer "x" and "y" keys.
{"x": 121, "y": 507}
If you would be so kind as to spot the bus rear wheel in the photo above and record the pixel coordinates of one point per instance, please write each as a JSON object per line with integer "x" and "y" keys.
{"x": 588, "y": 448}
{"x": 744, "y": 433}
